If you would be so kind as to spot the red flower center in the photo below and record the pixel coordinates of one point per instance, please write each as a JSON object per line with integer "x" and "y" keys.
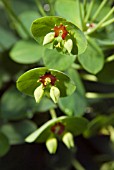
{"x": 47, "y": 78}
{"x": 58, "y": 128}
{"x": 60, "y": 30}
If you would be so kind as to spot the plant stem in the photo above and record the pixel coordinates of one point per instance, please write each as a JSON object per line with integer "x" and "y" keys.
{"x": 89, "y": 11}
{"x": 77, "y": 165}
{"x": 99, "y": 10}
{"x": 15, "y": 17}
{"x": 80, "y": 12}
{"x": 85, "y": 11}
{"x": 110, "y": 58}
{"x": 99, "y": 95}
{"x": 39, "y": 5}
{"x": 76, "y": 66}
{"x": 53, "y": 113}
{"x": 89, "y": 77}
{"x": 110, "y": 21}
{"x": 84, "y": 6}
{"x": 52, "y": 11}
{"x": 101, "y": 22}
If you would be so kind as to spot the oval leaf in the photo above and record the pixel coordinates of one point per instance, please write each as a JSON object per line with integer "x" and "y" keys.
{"x": 25, "y": 52}
{"x": 92, "y": 59}
{"x": 16, "y": 106}
{"x": 42, "y": 26}
{"x": 53, "y": 59}
{"x": 28, "y": 82}
{"x": 74, "y": 125}
{"x": 78, "y": 103}
{"x": 5, "y": 36}
{"x": 17, "y": 132}
{"x": 76, "y": 106}
{"x": 66, "y": 7}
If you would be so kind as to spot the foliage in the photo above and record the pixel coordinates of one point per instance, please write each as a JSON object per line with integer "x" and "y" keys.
{"x": 61, "y": 54}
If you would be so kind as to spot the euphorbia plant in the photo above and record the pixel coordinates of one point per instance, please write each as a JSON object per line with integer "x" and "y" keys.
{"x": 62, "y": 128}
{"x": 64, "y": 75}
{"x": 66, "y": 40}
{"x": 62, "y": 40}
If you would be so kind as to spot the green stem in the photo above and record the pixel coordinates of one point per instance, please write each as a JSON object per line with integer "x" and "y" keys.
{"x": 53, "y": 113}
{"x": 39, "y": 5}
{"x": 110, "y": 21}
{"x": 99, "y": 95}
{"x": 110, "y": 58}
{"x": 76, "y": 66}
{"x": 89, "y": 77}
{"x": 101, "y": 22}
{"x": 52, "y": 11}
{"x": 15, "y": 17}
{"x": 84, "y": 6}
{"x": 76, "y": 164}
{"x": 85, "y": 11}
{"x": 89, "y": 11}
{"x": 80, "y": 12}
{"x": 99, "y": 10}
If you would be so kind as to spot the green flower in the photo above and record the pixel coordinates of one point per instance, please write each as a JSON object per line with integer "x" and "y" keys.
{"x": 54, "y": 94}
{"x": 48, "y": 38}
{"x": 68, "y": 140}
{"x": 58, "y": 129}
{"x": 68, "y": 45}
{"x": 38, "y": 93}
{"x": 47, "y": 81}
{"x": 51, "y": 145}
{"x": 61, "y": 37}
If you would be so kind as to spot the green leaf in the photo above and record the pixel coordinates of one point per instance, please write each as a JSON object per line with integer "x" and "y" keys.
{"x": 78, "y": 103}
{"x": 7, "y": 39}
{"x": 105, "y": 44}
{"x": 25, "y": 52}
{"x": 18, "y": 131}
{"x": 92, "y": 59}
{"x": 16, "y": 106}
{"x": 4, "y": 144}
{"x": 76, "y": 106}
{"x": 55, "y": 60}
{"x": 74, "y": 125}
{"x": 66, "y": 7}
{"x": 28, "y": 82}
{"x": 75, "y": 76}
{"x": 44, "y": 25}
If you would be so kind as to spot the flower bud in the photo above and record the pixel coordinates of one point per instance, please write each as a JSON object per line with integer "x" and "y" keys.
{"x": 54, "y": 94}
{"x": 68, "y": 140}
{"x": 51, "y": 145}
{"x": 68, "y": 45}
{"x": 38, "y": 93}
{"x": 48, "y": 38}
